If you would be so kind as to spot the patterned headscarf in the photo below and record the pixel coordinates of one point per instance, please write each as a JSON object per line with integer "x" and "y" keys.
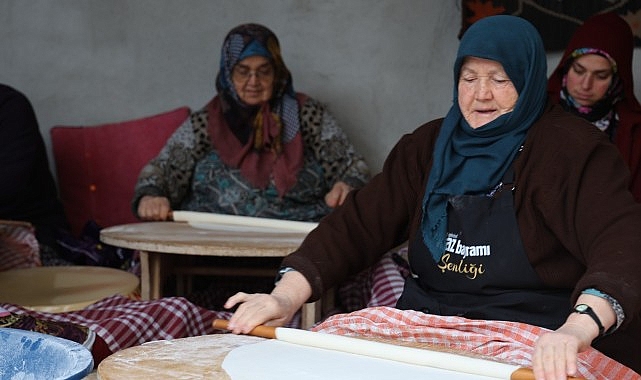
{"x": 267, "y": 136}
{"x": 601, "y": 113}
{"x": 610, "y": 36}
{"x": 472, "y": 161}
{"x": 610, "y": 33}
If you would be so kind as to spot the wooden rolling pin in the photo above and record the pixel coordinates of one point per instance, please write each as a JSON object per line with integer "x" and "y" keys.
{"x": 239, "y": 220}
{"x": 409, "y": 355}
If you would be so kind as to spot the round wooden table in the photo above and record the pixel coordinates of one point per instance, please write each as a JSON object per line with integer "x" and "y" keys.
{"x": 206, "y": 357}
{"x": 64, "y": 288}
{"x": 198, "y": 357}
{"x": 203, "y": 239}
{"x": 162, "y": 243}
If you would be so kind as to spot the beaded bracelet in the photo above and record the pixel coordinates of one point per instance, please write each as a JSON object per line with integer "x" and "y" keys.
{"x": 616, "y": 306}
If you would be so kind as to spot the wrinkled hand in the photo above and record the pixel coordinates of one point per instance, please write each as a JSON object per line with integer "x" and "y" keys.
{"x": 153, "y": 208}
{"x": 259, "y": 309}
{"x": 555, "y": 353}
{"x": 337, "y": 194}
{"x": 275, "y": 309}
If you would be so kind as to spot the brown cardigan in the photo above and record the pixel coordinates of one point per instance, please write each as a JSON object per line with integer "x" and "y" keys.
{"x": 579, "y": 223}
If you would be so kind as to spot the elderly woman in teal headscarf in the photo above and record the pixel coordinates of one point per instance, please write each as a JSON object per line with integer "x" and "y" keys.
{"x": 508, "y": 211}
{"x": 258, "y": 148}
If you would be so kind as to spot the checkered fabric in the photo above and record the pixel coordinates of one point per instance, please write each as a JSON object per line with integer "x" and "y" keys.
{"x": 18, "y": 246}
{"x": 122, "y": 322}
{"x": 379, "y": 285}
{"x": 509, "y": 342}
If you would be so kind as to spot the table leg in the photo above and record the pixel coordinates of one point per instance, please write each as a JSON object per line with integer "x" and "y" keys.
{"x": 155, "y": 275}
{"x": 150, "y": 275}
{"x": 310, "y": 314}
{"x": 144, "y": 276}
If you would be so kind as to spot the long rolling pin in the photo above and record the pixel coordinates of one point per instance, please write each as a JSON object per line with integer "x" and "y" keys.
{"x": 409, "y": 355}
{"x": 239, "y": 220}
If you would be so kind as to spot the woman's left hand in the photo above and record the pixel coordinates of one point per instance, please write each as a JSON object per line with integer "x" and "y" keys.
{"x": 555, "y": 353}
{"x": 337, "y": 194}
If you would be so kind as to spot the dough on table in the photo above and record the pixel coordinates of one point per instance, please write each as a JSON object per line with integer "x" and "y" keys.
{"x": 185, "y": 358}
{"x": 278, "y": 360}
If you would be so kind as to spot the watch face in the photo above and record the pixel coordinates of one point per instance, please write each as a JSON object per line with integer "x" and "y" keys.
{"x": 581, "y": 308}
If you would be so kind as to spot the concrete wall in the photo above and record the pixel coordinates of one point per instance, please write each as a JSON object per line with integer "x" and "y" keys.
{"x": 383, "y": 67}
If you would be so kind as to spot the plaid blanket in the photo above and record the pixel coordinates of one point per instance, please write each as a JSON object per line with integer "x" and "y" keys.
{"x": 379, "y": 285}
{"x": 508, "y": 342}
{"x": 122, "y": 322}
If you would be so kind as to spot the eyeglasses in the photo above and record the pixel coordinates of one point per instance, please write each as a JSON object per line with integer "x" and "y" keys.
{"x": 243, "y": 73}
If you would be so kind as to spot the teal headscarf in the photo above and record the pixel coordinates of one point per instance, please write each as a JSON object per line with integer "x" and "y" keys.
{"x": 472, "y": 161}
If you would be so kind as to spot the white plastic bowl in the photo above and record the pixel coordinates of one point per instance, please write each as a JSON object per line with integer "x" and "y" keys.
{"x": 26, "y": 355}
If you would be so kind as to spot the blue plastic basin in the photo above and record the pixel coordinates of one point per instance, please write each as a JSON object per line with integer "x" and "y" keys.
{"x": 26, "y": 355}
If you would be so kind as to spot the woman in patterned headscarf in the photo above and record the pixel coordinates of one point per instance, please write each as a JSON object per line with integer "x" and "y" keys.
{"x": 257, "y": 148}
{"x": 514, "y": 210}
{"x": 594, "y": 80}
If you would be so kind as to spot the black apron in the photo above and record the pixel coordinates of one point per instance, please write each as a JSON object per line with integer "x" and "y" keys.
{"x": 484, "y": 272}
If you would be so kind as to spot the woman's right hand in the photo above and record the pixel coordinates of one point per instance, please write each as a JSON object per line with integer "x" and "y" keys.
{"x": 154, "y": 208}
{"x": 275, "y": 309}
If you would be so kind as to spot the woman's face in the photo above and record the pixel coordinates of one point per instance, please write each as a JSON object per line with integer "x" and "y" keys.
{"x": 485, "y": 92}
{"x": 253, "y": 80}
{"x": 589, "y": 78}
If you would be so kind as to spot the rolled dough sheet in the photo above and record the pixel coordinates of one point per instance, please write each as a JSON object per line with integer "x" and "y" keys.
{"x": 278, "y": 360}
{"x": 200, "y": 220}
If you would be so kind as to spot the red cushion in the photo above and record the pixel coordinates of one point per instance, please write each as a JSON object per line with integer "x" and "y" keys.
{"x": 98, "y": 166}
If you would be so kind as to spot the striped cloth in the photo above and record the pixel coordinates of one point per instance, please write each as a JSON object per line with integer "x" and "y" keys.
{"x": 18, "y": 246}
{"x": 508, "y": 342}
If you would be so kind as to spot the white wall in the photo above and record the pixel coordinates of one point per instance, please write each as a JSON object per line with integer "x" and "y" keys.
{"x": 383, "y": 67}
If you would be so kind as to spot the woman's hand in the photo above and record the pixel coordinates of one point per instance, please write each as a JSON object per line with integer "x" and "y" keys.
{"x": 337, "y": 194}
{"x": 275, "y": 309}
{"x": 555, "y": 353}
{"x": 153, "y": 208}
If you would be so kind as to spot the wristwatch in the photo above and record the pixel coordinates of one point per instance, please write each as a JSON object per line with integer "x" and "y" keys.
{"x": 585, "y": 309}
{"x": 282, "y": 272}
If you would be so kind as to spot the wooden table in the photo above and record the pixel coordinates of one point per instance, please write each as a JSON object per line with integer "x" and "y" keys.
{"x": 59, "y": 289}
{"x": 198, "y": 357}
{"x": 202, "y": 357}
{"x": 158, "y": 242}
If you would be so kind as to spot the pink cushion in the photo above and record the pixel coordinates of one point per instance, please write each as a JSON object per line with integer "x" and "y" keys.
{"x": 98, "y": 166}
{"x": 18, "y": 245}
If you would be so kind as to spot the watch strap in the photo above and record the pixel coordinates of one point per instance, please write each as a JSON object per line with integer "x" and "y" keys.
{"x": 282, "y": 272}
{"x": 587, "y": 310}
